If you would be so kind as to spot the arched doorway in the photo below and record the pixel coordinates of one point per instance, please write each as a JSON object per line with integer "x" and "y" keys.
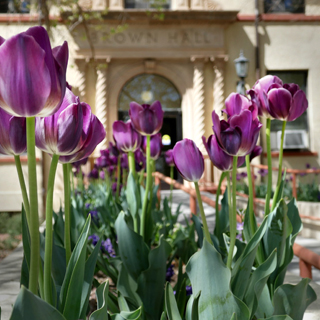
{"x": 146, "y": 88}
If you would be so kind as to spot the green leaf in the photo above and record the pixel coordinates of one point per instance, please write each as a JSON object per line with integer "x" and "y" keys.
{"x": 30, "y": 307}
{"x": 265, "y": 306}
{"x": 242, "y": 269}
{"x": 199, "y": 230}
{"x": 26, "y": 250}
{"x": 88, "y": 278}
{"x": 192, "y": 310}
{"x": 134, "y": 315}
{"x": 294, "y": 217}
{"x": 151, "y": 281}
{"x": 171, "y": 304}
{"x": 71, "y": 291}
{"x": 234, "y": 316}
{"x": 133, "y": 251}
{"x": 102, "y": 311}
{"x": 163, "y": 316}
{"x": 133, "y": 196}
{"x": 258, "y": 281}
{"x": 205, "y": 270}
{"x": 277, "y": 237}
{"x": 293, "y": 300}
{"x": 284, "y": 317}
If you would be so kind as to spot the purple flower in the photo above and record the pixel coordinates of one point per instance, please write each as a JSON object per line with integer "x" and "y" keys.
{"x": 102, "y": 162}
{"x": 259, "y": 94}
{"x": 169, "y": 273}
{"x": 124, "y": 161}
{"x": 107, "y": 247}
{"x": 126, "y": 137}
{"x": 13, "y": 139}
{"x": 308, "y": 165}
{"x": 72, "y": 132}
{"x": 113, "y": 149}
{"x": 188, "y": 290}
{"x": 263, "y": 172}
{"x": 102, "y": 175}
{"x": 220, "y": 158}
{"x": 79, "y": 163}
{"x": 239, "y": 134}
{"x": 188, "y": 159}
{"x": 94, "y": 214}
{"x": 114, "y": 187}
{"x": 155, "y": 145}
{"x": 140, "y": 160}
{"x": 32, "y": 75}
{"x": 95, "y": 238}
{"x": 94, "y": 174}
{"x": 236, "y": 102}
{"x": 239, "y": 228}
{"x": 146, "y": 119}
{"x": 169, "y": 158}
{"x": 257, "y": 150}
{"x": 87, "y": 205}
{"x": 287, "y": 103}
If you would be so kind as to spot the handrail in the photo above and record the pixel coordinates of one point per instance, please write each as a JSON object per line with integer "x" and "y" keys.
{"x": 307, "y": 258}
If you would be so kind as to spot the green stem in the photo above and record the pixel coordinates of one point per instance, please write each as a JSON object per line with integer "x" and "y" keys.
{"x": 203, "y": 216}
{"x": 49, "y": 231}
{"x": 251, "y": 213}
{"x": 23, "y": 188}
{"x": 276, "y": 193}
{"x": 148, "y": 186}
{"x": 67, "y": 240}
{"x": 34, "y": 217}
{"x": 118, "y": 177}
{"x": 233, "y": 212}
{"x": 132, "y": 164}
{"x": 152, "y": 186}
{"x": 269, "y": 187}
{"x": 171, "y": 185}
{"x": 141, "y": 177}
{"x": 71, "y": 178}
{"x": 223, "y": 175}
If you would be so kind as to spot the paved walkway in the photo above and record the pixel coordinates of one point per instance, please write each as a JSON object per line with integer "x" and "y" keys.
{"x": 10, "y": 266}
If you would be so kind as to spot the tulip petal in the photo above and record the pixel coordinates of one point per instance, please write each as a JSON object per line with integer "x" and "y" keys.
{"x": 299, "y": 105}
{"x": 69, "y": 129}
{"x": 231, "y": 141}
{"x": 280, "y": 101}
{"x": 25, "y": 81}
{"x": 18, "y": 135}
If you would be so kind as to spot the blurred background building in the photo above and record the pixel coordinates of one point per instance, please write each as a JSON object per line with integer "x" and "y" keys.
{"x": 181, "y": 52}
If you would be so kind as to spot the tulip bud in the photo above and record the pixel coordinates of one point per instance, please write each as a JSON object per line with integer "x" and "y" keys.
{"x": 188, "y": 159}
{"x": 155, "y": 145}
{"x": 169, "y": 158}
{"x": 146, "y": 119}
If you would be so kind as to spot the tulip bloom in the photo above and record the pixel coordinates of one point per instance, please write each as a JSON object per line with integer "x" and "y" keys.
{"x": 169, "y": 158}
{"x": 72, "y": 132}
{"x": 236, "y": 102}
{"x": 287, "y": 103}
{"x": 219, "y": 158}
{"x": 155, "y": 145}
{"x": 32, "y": 75}
{"x": 125, "y": 136}
{"x": 239, "y": 134}
{"x": 140, "y": 160}
{"x": 259, "y": 94}
{"x": 13, "y": 139}
{"x": 188, "y": 159}
{"x": 146, "y": 119}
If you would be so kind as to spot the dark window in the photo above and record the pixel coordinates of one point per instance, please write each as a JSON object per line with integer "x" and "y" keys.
{"x": 147, "y": 4}
{"x": 289, "y": 6}
{"x": 298, "y": 128}
{"x": 14, "y": 6}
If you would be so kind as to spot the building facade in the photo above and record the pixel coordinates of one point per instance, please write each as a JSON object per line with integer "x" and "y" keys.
{"x": 183, "y": 55}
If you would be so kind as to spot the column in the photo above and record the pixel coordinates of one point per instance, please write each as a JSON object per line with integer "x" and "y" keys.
{"x": 218, "y": 96}
{"x": 180, "y": 5}
{"x": 81, "y": 78}
{"x": 101, "y": 98}
{"x": 198, "y": 101}
{"x": 218, "y": 84}
{"x": 116, "y": 5}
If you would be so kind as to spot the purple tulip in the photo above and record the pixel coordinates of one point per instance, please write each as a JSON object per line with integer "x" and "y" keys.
{"x": 13, "y": 139}
{"x": 239, "y": 134}
{"x": 259, "y": 93}
{"x": 124, "y": 161}
{"x": 236, "y": 102}
{"x": 146, "y": 119}
{"x": 287, "y": 103}
{"x": 113, "y": 149}
{"x": 80, "y": 163}
{"x": 188, "y": 159}
{"x": 257, "y": 150}
{"x": 102, "y": 162}
{"x": 94, "y": 174}
{"x": 72, "y": 132}
{"x": 32, "y": 75}
{"x": 155, "y": 145}
{"x": 169, "y": 158}
{"x": 126, "y": 137}
{"x": 140, "y": 160}
{"x": 219, "y": 158}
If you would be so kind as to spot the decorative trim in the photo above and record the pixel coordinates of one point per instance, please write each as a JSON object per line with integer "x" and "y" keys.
{"x": 278, "y": 17}
{"x": 275, "y": 154}
{"x": 10, "y": 159}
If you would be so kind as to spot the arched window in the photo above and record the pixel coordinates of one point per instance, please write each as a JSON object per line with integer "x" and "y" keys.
{"x": 146, "y": 88}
